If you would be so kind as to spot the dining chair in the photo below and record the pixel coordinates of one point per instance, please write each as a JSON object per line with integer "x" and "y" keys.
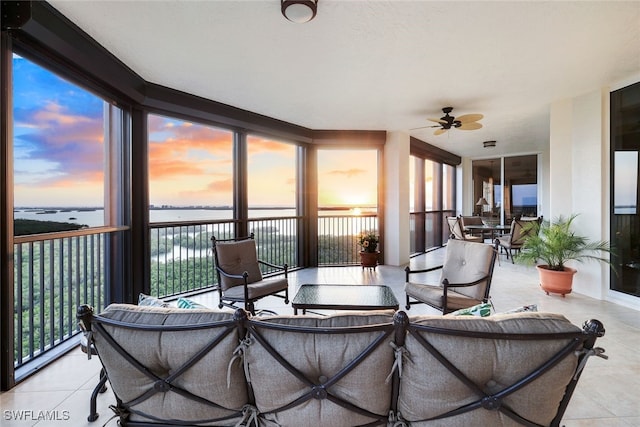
{"x": 521, "y": 228}
{"x": 474, "y": 220}
{"x": 456, "y": 230}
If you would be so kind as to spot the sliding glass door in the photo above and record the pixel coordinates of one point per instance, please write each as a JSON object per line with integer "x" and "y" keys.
{"x": 625, "y": 217}
{"x": 505, "y": 188}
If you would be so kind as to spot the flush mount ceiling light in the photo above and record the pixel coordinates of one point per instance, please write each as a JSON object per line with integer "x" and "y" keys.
{"x": 299, "y": 11}
{"x": 488, "y": 144}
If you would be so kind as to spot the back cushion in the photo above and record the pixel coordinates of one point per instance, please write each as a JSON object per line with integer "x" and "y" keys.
{"x": 236, "y": 258}
{"x": 428, "y": 389}
{"x": 318, "y": 356}
{"x": 163, "y": 353}
{"x": 471, "y": 220}
{"x": 466, "y": 262}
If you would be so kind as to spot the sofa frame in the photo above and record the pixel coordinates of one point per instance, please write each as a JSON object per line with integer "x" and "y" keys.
{"x": 578, "y": 344}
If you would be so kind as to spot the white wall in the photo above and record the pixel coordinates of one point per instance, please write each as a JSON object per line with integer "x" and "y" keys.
{"x": 578, "y": 173}
{"x": 396, "y": 203}
{"x": 560, "y": 159}
{"x": 544, "y": 192}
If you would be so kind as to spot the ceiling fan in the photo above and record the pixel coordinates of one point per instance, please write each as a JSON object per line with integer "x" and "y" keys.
{"x": 446, "y": 122}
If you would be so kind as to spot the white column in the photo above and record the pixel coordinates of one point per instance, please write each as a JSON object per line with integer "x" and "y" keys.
{"x": 396, "y": 203}
{"x": 560, "y": 158}
{"x": 578, "y": 176}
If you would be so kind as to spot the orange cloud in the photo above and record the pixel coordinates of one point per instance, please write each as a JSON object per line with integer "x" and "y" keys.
{"x": 215, "y": 190}
{"x": 173, "y": 157}
{"x": 55, "y": 115}
{"x": 258, "y": 145}
{"x": 348, "y": 173}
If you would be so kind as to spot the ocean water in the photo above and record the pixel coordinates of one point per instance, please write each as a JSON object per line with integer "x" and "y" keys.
{"x": 92, "y": 218}
{"x": 625, "y": 210}
{"x": 95, "y": 217}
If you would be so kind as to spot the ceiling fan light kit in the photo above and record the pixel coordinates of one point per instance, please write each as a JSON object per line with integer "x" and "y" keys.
{"x": 299, "y": 11}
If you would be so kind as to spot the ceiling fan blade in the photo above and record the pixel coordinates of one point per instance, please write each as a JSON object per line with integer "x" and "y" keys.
{"x": 438, "y": 121}
{"x": 470, "y": 126}
{"x": 440, "y": 131}
{"x": 469, "y": 118}
{"x": 425, "y": 127}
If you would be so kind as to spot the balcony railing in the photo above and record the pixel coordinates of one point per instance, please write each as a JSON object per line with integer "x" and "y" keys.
{"x": 182, "y": 260}
{"x": 52, "y": 276}
{"x": 56, "y": 273}
{"x": 338, "y": 242}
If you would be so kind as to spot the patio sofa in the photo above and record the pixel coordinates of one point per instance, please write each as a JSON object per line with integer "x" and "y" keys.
{"x": 170, "y": 366}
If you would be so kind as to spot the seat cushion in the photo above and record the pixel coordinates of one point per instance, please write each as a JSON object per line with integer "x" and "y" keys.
{"x": 163, "y": 353}
{"x": 433, "y": 295}
{"x": 472, "y": 238}
{"x": 428, "y": 389}
{"x": 258, "y": 289}
{"x": 319, "y": 357}
{"x": 236, "y": 258}
{"x": 505, "y": 241}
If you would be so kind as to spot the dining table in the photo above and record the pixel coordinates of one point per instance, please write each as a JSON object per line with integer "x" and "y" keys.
{"x": 492, "y": 230}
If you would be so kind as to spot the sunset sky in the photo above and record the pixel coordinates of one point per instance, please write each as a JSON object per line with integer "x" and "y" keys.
{"x": 58, "y": 141}
{"x": 59, "y": 156}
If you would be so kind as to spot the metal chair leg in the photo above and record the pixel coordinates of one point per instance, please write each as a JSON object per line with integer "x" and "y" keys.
{"x": 101, "y": 387}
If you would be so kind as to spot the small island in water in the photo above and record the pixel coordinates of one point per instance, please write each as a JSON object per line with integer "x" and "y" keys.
{"x": 23, "y": 227}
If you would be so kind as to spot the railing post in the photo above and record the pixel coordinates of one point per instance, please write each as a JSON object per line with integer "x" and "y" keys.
{"x": 7, "y": 374}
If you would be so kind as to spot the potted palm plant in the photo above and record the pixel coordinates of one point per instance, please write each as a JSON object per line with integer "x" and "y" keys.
{"x": 553, "y": 245}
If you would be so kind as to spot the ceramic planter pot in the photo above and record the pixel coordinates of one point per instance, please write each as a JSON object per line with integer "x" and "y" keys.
{"x": 557, "y": 282}
{"x": 369, "y": 259}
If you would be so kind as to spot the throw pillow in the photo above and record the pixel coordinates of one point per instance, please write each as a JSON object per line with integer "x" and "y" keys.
{"x": 188, "y": 303}
{"x": 480, "y": 310}
{"x": 148, "y": 300}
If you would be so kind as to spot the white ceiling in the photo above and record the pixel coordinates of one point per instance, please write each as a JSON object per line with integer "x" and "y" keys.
{"x": 379, "y": 65}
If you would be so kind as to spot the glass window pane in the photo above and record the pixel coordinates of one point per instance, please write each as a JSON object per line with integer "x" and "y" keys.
{"x": 430, "y": 191}
{"x": 348, "y": 179}
{"x": 59, "y": 152}
{"x": 625, "y": 183}
{"x": 521, "y": 186}
{"x": 190, "y": 171}
{"x": 448, "y": 189}
{"x": 272, "y": 177}
{"x": 412, "y": 183}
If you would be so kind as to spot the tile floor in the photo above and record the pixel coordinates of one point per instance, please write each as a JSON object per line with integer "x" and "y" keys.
{"x": 607, "y": 395}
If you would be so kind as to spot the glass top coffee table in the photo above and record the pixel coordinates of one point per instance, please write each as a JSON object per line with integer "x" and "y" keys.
{"x": 344, "y": 297}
